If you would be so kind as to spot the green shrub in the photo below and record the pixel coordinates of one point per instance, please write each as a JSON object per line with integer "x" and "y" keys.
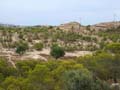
{"x": 38, "y": 46}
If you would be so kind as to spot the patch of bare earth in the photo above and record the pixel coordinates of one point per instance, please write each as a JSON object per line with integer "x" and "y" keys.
{"x": 37, "y": 55}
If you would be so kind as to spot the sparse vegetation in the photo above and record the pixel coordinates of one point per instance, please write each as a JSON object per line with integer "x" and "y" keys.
{"x": 89, "y": 72}
{"x": 38, "y": 46}
{"x": 96, "y": 71}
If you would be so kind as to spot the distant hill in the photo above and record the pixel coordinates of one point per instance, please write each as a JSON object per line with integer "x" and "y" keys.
{"x": 70, "y": 26}
{"x": 106, "y": 25}
{"x": 74, "y": 25}
{"x": 99, "y": 26}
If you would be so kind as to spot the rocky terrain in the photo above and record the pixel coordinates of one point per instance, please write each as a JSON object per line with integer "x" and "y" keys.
{"x": 76, "y": 39}
{"x": 65, "y": 57}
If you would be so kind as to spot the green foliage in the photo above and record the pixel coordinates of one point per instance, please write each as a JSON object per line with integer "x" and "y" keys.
{"x": 12, "y": 83}
{"x": 77, "y": 80}
{"x": 112, "y": 34}
{"x": 6, "y": 69}
{"x": 40, "y": 78}
{"x": 57, "y": 51}
{"x": 82, "y": 80}
{"x": 38, "y": 46}
{"x": 25, "y": 66}
{"x": 53, "y": 75}
{"x": 1, "y": 77}
{"x": 21, "y": 48}
{"x": 113, "y": 47}
{"x": 103, "y": 65}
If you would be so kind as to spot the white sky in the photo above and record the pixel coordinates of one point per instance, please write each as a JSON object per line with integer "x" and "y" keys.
{"x": 55, "y": 12}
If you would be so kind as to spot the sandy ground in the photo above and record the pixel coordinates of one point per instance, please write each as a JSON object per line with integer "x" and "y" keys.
{"x": 37, "y": 55}
{"x": 77, "y": 53}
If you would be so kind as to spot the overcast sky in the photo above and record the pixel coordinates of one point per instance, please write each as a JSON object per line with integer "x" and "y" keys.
{"x": 55, "y": 12}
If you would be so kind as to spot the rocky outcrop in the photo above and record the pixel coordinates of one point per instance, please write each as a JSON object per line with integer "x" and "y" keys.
{"x": 70, "y": 26}
{"x": 77, "y": 27}
{"x": 106, "y": 25}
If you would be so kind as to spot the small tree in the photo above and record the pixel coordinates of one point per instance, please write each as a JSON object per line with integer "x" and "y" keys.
{"x": 21, "y": 48}
{"x": 57, "y": 51}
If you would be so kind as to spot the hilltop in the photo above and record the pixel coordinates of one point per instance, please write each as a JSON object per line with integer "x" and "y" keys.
{"x": 99, "y": 26}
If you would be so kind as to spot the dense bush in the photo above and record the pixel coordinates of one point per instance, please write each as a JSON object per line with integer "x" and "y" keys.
{"x": 113, "y": 47}
{"x": 57, "y": 51}
{"x": 21, "y": 47}
{"x": 89, "y": 72}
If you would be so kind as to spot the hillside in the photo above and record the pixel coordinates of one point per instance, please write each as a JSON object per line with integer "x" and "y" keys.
{"x": 76, "y": 39}
{"x": 65, "y": 57}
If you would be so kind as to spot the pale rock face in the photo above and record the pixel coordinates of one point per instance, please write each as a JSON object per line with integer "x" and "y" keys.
{"x": 70, "y": 26}
{"x": 106, "y": 25}
{"x": 77, "y": 27}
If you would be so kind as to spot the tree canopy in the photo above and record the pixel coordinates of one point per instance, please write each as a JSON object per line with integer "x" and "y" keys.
{"x": 21, "y": 48}
{"x": 57, "y": 51}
